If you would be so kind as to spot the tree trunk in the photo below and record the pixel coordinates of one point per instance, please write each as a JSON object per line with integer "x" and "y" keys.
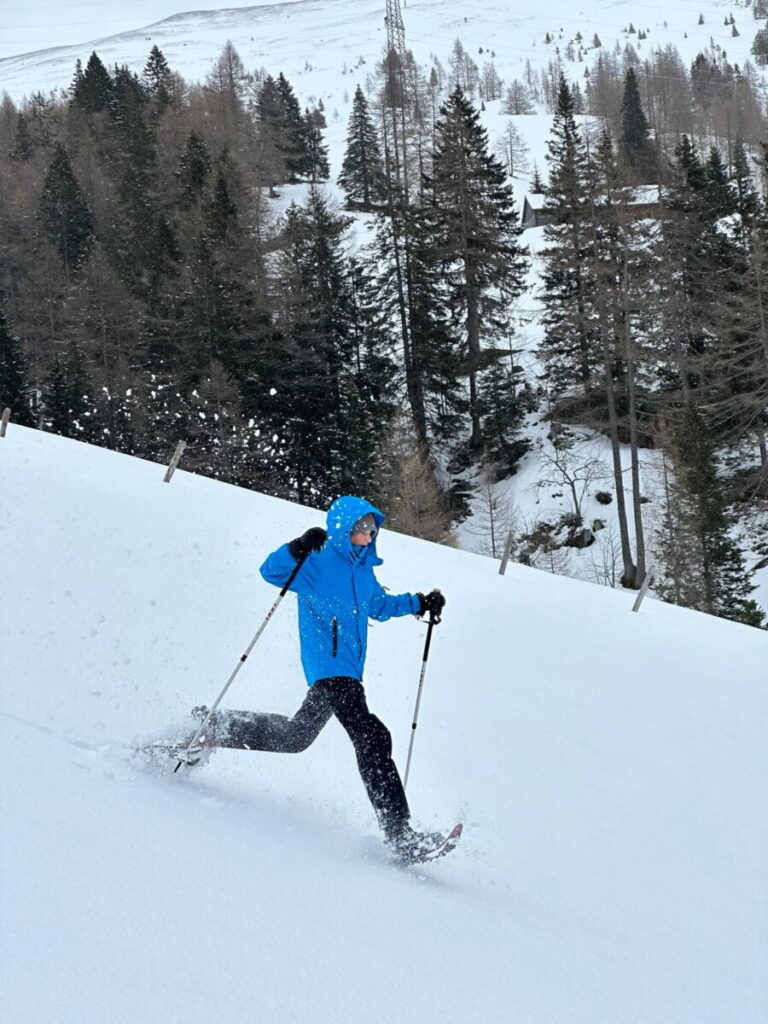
{"x": 402, "y": 280}
{"x": 634, "y": 452}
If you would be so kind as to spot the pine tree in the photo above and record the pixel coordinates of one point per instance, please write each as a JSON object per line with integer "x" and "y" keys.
{"x": 518, "y": 99}
{"x": 193, "y": 170}
{"x": 282, "y": 130}
{"x": 215, "y": 301}
{"x": 476, "y": 238}
{"x": 746, "y": 196}
{"x": 68, "y": 406}
{"x": 228, "y": 82}
{"x": 504, "y": 402}
{"x": 64, "y": 213}
{"x": 719, "y": 197}
{"x": 13, "y": 388}
{"x": 133, "y": 145}
{"x": 700, "y": 273}
{"x": 91, "y": 90}
{"x": 407, "y": 278}
{"x": 157, "y": 75}
{"x": 22, "y": 145}
{"x": 635, "y": 146}
{"x": 318, "y": 168}
{"x": 704, "y": 568}
{"x": 362, "y": 171}
{"x": 737, "y": 371}
{"x": 621, "y": 268}
{"x": 571, "y": 345}
{"x": 294, "y": 138}
{"x": 269, "y": 112}
{"x": 309, "y": 397}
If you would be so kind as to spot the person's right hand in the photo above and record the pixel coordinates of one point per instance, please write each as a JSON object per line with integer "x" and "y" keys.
{"x": 308, "y": 542}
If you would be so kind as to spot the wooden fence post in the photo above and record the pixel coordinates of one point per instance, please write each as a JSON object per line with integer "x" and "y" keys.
{"x": 507, "y": 552}
{"x": 643, "y": 591}
{"x": 174, "y": 461}
{"x": 4, "y": 421}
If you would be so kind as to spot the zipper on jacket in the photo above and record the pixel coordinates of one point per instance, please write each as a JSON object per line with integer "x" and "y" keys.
{"x": 334, "y": 636}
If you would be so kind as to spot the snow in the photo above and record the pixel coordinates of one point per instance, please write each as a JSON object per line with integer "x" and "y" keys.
{"x": 610, "y": 769}
{"x": 325, "y": 47}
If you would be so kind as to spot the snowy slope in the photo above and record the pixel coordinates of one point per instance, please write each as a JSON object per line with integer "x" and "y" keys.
{"x": 326, "y": 46}
{"x": 611, "y": 770}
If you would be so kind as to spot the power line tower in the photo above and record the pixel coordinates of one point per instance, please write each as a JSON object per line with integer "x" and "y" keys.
{"x": 393, "y": 19}
{"x": 395, "y": 96}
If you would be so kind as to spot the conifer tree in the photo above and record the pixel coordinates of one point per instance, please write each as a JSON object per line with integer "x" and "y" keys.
{"x": 704, "y": 568}
{"x": 407, "y": 277}
{"x": 215, "y": 301}
{"x": 635, "y": 146}
{"x": 699, "y": 264}
{"x": 64, "y": 213}
{"x": 193, "y": 170}
{"x": 13, "y": 389}
{"x": 92, "y": 89}
{"x": 476, "y": 237}
{"x": 228, "y": 82}
{"x": 737, "y": 371}
{"x": 127, "y": 107}
{"x": 719, "y": 197}
{"x": 282, "y": 130}
{"x": 362, "y": 171}
{"x": 324, "y": 425}
{"x": 318, "y": 168}
{"x": 621, "y": 268}
{"x": 22, "y": 146}
{"x": 270, "y": 128}
{"x": 746, "y": 195}
{"x": 293, "y": 142}
{"x": 571, "y": 346}
{"x": 68, "y": 405}
{"x": 157, "y": 75}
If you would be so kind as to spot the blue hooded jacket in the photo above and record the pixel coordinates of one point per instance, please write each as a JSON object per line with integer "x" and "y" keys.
{"x": 337, "y": 594}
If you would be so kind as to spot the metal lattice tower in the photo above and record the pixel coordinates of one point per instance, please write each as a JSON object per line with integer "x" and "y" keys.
{"x": 393, "y": 19}
{"x": 395, "y": 145}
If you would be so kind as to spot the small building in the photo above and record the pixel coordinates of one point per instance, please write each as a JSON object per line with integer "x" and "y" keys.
{"x": 642, "y": 204}
{"x": 534, "y": 214}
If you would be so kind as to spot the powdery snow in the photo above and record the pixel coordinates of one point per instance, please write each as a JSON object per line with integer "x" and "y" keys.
{"x": 610, "y": 769}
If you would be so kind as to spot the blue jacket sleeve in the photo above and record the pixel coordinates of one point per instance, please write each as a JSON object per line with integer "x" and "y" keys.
{"x": 278, "y": 566}
{"x": 385, "y": 606}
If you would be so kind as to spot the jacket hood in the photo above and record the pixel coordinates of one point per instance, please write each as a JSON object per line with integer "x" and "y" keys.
{"x": 342, "y": 516}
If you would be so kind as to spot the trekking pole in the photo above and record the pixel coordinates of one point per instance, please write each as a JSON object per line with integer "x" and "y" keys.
{"x": 433, "y": 621}
{"x": 244, "y": 657}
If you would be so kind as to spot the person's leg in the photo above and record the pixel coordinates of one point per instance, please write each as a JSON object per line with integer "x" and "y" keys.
{"x": 247, "y": 730}
{"x": 373, "y": 747}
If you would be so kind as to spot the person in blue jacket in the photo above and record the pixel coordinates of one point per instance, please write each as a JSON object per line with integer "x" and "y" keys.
{"x": 337, "y": 594}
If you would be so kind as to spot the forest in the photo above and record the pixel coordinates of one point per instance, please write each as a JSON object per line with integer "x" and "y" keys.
{"x": 149, "y": 293}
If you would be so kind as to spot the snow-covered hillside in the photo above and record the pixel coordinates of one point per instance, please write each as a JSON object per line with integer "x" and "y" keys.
{"x": 326, "y": 46}
{"x": 610, "y": 767}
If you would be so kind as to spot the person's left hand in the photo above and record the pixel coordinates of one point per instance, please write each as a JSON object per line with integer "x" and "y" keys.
{"x": 433, "y": 602}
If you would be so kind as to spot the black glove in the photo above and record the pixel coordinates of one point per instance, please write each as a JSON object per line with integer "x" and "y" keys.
{"x": 312, "y": 540}
{"x": 433, "y": 602}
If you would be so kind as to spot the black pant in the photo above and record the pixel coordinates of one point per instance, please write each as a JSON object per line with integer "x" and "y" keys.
{"x": 345, "y": 698}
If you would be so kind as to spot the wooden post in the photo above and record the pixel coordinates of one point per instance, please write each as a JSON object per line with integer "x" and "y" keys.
{"x": 4, "y": 421}
{"x": 174, "y": 461}
{"x": 507, "y": 552}
{"x": 643, "y": 591}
